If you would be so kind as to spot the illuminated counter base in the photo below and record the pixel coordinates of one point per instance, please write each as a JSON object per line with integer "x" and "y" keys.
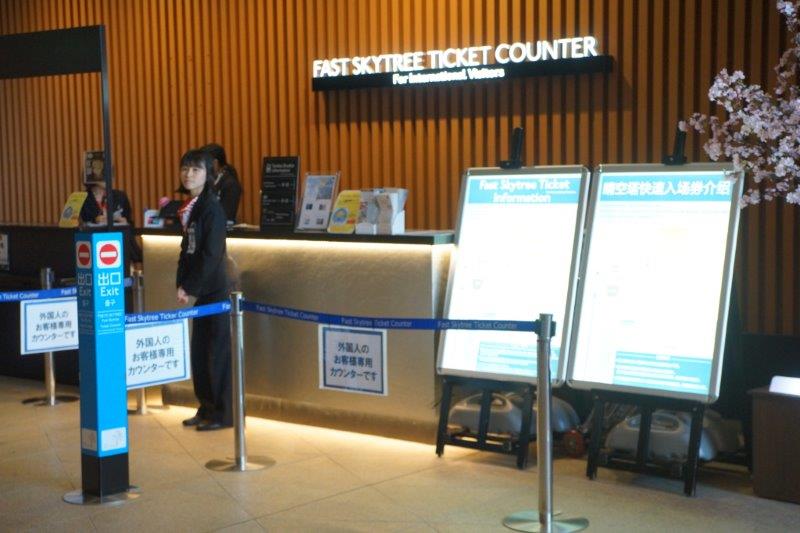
{"x": 376, "y": 279}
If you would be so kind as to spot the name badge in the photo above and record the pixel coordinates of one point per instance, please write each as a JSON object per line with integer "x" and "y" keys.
{"x": 192, "y": 241}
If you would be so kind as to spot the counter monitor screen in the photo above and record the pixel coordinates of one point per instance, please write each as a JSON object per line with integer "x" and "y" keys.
{"x": 653, "y": 304}
{"x": 515, "y": 257}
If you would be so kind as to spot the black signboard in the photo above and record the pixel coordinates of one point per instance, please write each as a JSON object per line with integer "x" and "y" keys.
{"x": 279, "y": 191}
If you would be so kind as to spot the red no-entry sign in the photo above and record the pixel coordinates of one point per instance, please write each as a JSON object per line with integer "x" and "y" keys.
{"x": 108, "y": 255}
{"x": 83, "y": 253}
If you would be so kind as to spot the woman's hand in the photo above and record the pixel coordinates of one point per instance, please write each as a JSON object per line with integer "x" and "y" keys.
{"x": 100, "y": 219}
{"x": 183, "y": 298}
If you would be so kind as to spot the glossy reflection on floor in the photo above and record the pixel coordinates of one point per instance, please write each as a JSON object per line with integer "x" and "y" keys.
{"x": 326, "y": 480}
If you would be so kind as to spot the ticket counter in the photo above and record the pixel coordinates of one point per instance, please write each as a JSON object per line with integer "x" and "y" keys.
{"x": 371, "y": 276}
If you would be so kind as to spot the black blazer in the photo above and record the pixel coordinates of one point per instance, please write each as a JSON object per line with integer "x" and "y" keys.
{"x": 201, "y": 267}
{"x": 90, "y": 210}
{"x": 229, "y": 191}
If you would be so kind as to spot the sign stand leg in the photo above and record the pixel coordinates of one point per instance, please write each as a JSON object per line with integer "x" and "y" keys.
{"x": 241, "y": 462}
{"x": 46, "y": 276}
{"x": 543, "y": 519}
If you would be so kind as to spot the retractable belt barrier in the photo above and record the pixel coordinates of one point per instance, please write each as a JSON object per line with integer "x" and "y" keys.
{"x": 389, "y": 323}
{"x": 35, "y": 294}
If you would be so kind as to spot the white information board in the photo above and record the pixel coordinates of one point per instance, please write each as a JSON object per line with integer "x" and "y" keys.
{"x": 656, "y": 276}
{"x": 157, "y": 353}
{"x": 517, "y": 241}
{"x": 353, "y": 359}
{"x": 48, "y": 325}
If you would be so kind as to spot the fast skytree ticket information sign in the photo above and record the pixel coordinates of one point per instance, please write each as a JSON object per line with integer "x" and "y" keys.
{"x": 656, "y": 277}
{"x": 517, "y": 243}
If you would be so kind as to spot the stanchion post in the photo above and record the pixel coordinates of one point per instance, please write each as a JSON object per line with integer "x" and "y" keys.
{"x": 542, "y": 521}
{"x": 237, "y": 339}
{"x": 544, "y": 437}
{"x": 46, "y": 278}
{"x": 138, "y": 307}
{"x": 241, "y": 462}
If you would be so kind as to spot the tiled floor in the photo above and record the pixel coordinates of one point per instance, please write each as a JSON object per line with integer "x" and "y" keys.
{"x": 325, "y": 480}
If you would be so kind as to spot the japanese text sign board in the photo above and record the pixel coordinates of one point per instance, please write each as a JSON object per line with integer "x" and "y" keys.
{"x": 49, "y": 325}
{"x": 353, "y": 359}
{"x": 157, "y": 353}
{"x": 101, "y": 320}
{"x": 656, "y": 279}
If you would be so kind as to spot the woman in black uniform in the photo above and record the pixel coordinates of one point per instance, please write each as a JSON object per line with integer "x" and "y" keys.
{"x": 95, "y": 210}
{"x": 201, "y": 273}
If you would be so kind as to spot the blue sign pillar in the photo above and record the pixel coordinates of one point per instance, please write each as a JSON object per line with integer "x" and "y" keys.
{"x": 101, "y": 330}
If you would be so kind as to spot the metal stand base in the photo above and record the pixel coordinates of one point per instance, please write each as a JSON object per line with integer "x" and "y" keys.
{"x": 77, "y": 497}
{"x": 529, "y": 521}
{"x": 254, "y": 462}
{"x": 60, "y": 398}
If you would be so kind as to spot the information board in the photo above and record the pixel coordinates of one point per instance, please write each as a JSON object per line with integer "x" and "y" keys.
{"x": 656, "y": 276}
{"x": 353, "y": 359}
{"x": 517, "y": 240}
{"x": 279, "y": 191}
{"x": 156, "y": 354}
{"x": 48, "y": 325}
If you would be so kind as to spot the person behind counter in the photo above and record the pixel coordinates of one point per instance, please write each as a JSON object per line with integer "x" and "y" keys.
{"x": 202, "y": 274}
{"x": 226, "y": 181}
{"x": 95, "y": 211}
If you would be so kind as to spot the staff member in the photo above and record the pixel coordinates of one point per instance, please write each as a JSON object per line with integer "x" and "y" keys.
{"x": 201, "y": 273}
{"x": 226, "y": 181}
{"x": 95, "y": 211}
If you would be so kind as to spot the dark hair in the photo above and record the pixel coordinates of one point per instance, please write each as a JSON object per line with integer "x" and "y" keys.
{"x": 216, "y": 152}
{"x": 197, "y": 158}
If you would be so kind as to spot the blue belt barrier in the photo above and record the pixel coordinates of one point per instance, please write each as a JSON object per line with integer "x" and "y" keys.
{"x": 41, "y": 294}
{"x": 18, "y": 296}
{"x": 178, "y": 314}
{"x": 389, "y": 323}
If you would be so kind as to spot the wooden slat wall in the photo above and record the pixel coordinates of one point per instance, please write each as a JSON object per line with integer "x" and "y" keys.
{"x": 237, "y": 72}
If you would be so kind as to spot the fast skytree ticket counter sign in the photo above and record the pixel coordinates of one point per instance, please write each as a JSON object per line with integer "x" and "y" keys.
{"x": 572, "y": 55}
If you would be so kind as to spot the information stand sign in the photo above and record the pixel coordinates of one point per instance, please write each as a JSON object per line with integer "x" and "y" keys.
{"x": 516, "y": 228}
{"x": 157, "y": 354}
{"x": 279, "y": 192}
{"x": 659, "y": 252}
{"x": 101, "y": 319}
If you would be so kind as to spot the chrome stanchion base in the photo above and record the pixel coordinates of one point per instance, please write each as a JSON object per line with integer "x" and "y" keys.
{"x": 254, "y": 462}
{"x": 78, "y": 497}
{"x": 60, "y": 398}
{"x": 529, "y": 521}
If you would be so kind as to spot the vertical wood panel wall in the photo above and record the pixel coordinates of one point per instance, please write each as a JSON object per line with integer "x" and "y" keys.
{"x": 237, "y": 72}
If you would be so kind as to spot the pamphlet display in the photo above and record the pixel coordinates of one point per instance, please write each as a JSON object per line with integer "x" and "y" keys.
{"x": 70, "y": 215}
{"x": 279, "y": 191}
{"x": 517, "y": 243}
{"x": 345, "y": 212}
{"x": 318, "y": 194}
{"x": 382, "y": 212}
{"x": 652, "y": 310}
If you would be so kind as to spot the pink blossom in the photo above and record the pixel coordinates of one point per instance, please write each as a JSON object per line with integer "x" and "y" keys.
{"x": 761, "y": 134}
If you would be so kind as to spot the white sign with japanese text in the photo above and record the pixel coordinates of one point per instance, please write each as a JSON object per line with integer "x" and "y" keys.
{"x": 48, "y": 325}
{"x": 353, "y": 359}
{"x": 157, "y": 353}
